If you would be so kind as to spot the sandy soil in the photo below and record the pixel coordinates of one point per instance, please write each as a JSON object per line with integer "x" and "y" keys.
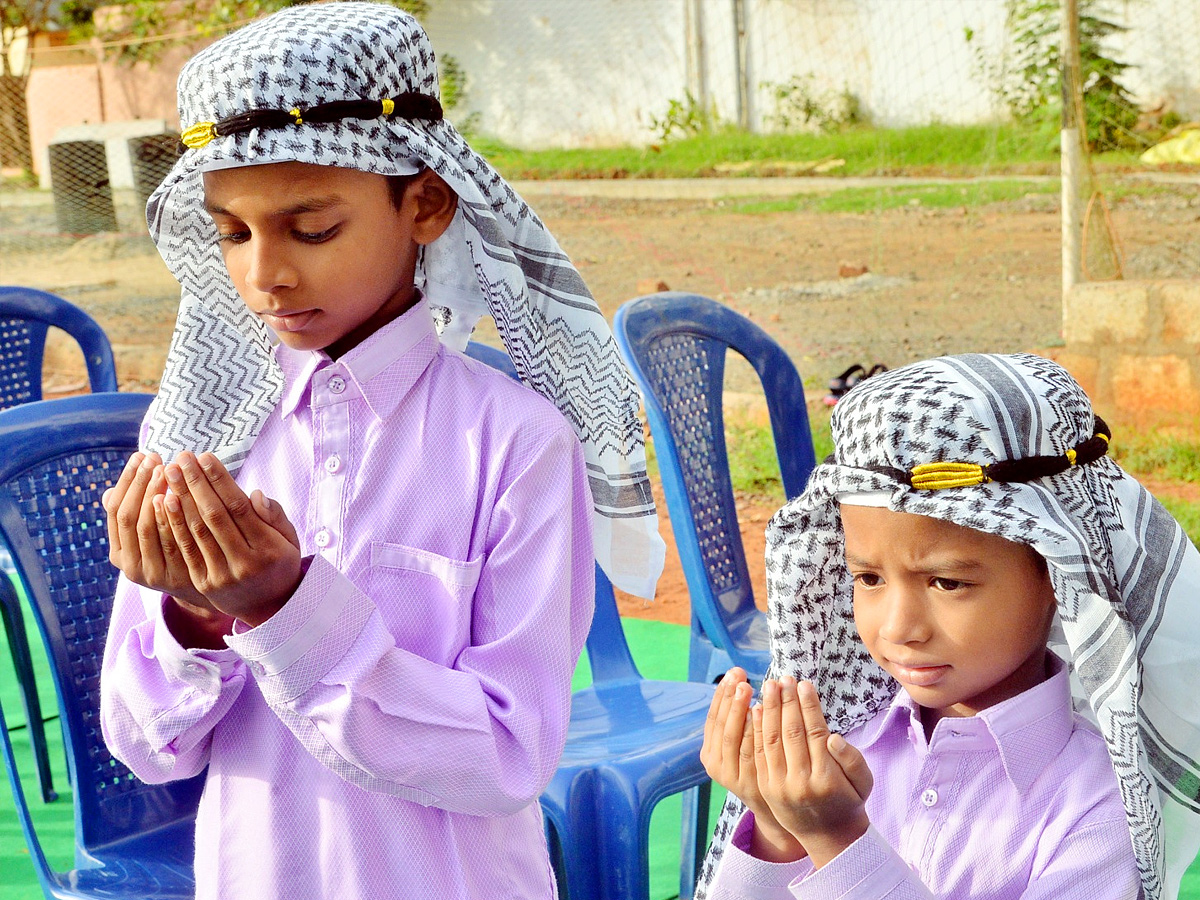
{"x": 939, "y": 281}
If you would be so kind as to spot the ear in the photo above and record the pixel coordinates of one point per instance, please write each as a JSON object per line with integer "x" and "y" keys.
{"x": 433, "y": 204}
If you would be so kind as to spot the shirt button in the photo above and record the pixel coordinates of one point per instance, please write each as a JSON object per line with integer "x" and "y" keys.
{"x": 337, "y": 384}
{"x": 195, "y": 668}
{"x": 322, "y": 538}
{"x": 929, "y": 797}
{"x": 333, "y": 463}
{"x": 258, "y": 669}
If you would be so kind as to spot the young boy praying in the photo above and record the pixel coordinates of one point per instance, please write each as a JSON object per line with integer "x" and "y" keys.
{"x": 966, "y": 557}
{"x": 358, "y": 565}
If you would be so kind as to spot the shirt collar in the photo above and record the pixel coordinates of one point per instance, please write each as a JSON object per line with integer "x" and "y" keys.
{"x": 410, "y": 336}
{"x": 1028, "y": 730}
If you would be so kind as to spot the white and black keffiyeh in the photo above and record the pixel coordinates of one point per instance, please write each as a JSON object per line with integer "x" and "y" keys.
{"x": 1126, "y": 576}
{"x": 496, "y": 258}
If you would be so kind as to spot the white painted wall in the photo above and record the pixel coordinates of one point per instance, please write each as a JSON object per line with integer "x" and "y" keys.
{"x": 568, "y": 73}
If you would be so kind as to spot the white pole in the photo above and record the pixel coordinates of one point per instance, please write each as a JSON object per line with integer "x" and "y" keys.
{"x": 1072, "y": 150}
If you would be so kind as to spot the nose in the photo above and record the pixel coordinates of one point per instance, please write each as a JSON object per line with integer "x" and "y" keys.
{"x": 904, "y": 618}
{"x": 269, "y": 268}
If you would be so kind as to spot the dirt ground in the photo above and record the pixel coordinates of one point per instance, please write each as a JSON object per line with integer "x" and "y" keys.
{"x": 940, "y": 281}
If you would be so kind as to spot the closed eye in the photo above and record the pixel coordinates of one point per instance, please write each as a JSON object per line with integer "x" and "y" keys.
{"x": 233, "y": 237}
{"x": 316, "y": 237}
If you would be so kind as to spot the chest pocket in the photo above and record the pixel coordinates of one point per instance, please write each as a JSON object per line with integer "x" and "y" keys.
{"x": 425, "y": 598}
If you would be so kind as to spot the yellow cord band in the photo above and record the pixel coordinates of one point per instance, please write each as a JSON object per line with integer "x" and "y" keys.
{"x": 1071, "y": 455}
{"x": 199, "y": 135}
{"x": 934, "y": 476}
{"x": 294, "y": 112}
{"x": 389, "y": 106}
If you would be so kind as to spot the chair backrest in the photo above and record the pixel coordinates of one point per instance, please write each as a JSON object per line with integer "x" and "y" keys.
{"x": 497, "y": 359}
{"x": 675, "y": 344}
{"x": 607, "y": 650}
{"x": 59, "y": 457}
{"x": 25, "y": 316}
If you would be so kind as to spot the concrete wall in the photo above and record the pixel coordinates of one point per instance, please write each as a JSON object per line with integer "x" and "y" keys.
{"x": 1134, "y": 346}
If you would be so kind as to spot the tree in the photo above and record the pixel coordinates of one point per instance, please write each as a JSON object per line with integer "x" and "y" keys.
{"x": 1028, "y": 79}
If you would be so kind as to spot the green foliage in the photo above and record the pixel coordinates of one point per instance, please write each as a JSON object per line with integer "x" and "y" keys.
{"x": 1158, "y": 456}
{"x": 877, "y": 199}
{"x": 799, "y": 104}
{"x": 685, "y": 118}
{"x": 1014, "y": 148}
{"x": 1028, "y": 79}
{"x": 136, "y": 23}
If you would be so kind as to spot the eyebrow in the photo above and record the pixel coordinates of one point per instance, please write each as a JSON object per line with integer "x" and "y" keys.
{"x": 317, "y": 204}
{"x": 953, "y": 565}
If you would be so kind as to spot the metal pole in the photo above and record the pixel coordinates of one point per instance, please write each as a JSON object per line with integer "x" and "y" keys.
{"x": 1072, "y": 149}
{"x": 739, "y": 60}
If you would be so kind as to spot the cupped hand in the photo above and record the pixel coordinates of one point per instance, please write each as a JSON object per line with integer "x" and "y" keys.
{"x": 815, "y": 783}
{"x": 240, "y": 550}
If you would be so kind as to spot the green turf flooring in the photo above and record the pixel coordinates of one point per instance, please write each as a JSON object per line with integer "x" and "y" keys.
{"x": 660, "y": 651}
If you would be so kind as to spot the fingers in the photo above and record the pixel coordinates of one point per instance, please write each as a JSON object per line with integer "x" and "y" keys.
{"x": 209, "y": 515}
{"x": 190, "y": 554}
{"x": 853, "y": 764}
{"x": 812, "y": 721}
{"x": 725, "y": 726}
{"x": 272, "y": 513}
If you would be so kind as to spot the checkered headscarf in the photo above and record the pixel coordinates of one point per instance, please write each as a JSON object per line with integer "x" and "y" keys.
{"x": 1126, "y": 576}
{"x": 496, "y": 258}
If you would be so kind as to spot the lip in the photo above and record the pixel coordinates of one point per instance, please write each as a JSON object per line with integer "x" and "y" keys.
{"x": 281, "y": 321}
{"x": 918, "y": 676}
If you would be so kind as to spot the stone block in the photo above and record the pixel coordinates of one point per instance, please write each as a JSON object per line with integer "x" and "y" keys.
{"x": 1084, "y": 368}
{"x": 1107, "y": 313}
{"x": 1181, "y": 312}
{"x": 1155, "y": 384}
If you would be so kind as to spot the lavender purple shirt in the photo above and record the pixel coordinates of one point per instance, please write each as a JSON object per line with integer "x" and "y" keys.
{"x": 1019, "y": 801}
{"x": 388, "y": 732}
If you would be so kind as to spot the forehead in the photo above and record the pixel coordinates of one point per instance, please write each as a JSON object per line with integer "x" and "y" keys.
{"x": 879, "y": 535}
{"x": 283, "y": 185}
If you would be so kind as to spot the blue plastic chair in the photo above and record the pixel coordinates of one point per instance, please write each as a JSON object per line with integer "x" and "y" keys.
{"x": 630, "y": 743}
{"x": 131, "y": 839}
{"x": 26, "y": 315}
{"x": 675, "y": 345}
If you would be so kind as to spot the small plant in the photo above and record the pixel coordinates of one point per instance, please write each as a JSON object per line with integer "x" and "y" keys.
{"x": 684, "y": 118}
{"x": 1027, "y": 79}
{"x": 799, "y": 105}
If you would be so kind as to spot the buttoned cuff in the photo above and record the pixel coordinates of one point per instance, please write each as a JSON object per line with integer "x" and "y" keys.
{"x": 292, "y": 650}
{"x": 867, "y": 869}
{"x": 741, "y": 875}
{"x": 202, "y": 670}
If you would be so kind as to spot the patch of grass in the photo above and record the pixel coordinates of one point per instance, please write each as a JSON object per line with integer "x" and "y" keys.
{"x": 927, "y": 149}
{"x": 1154, "y": 455}
{"x": 872, "y": 199}
{"x": 1186, "y": 514}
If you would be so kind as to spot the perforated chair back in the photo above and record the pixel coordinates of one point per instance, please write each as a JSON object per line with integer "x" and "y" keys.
{"x": 59, "y": 457}
{"x": 26, "y": 314}
{"x": 676, "y": 346}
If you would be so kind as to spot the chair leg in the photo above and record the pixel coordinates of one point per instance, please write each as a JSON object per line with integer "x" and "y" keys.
{"x": 694, "y": 837}
{"x": 14, "y": 630}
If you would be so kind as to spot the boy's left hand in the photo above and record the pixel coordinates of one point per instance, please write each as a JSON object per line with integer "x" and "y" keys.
{"x": 815, "y": 783}
{"x": 242, "y": 552}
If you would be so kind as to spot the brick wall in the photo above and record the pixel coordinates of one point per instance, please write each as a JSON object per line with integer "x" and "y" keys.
{"x": 1134, "y": 346}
